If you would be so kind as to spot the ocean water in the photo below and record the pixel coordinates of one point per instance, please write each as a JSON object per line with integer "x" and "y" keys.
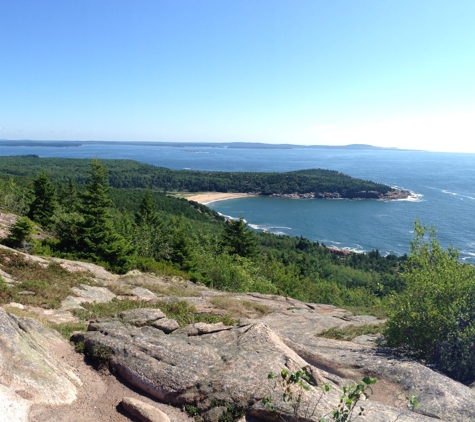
{"x": 443, "y": 182}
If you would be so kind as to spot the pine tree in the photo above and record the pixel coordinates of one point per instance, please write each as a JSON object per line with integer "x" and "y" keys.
{"x": 179, "y": 242}
{"x": 44, "y": 204}
{"x": 239, "y": 238}
{"x": 20, "y": 233}
{"x": 98, "y": 239}
{"x": 147, "y": 215}
{"x": 71, "y": 197}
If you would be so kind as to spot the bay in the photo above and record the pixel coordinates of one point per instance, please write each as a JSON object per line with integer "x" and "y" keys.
{"x": 444, "y": 184}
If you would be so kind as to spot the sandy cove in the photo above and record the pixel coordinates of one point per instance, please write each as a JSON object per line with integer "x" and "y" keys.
{"x": 208, "y": 197}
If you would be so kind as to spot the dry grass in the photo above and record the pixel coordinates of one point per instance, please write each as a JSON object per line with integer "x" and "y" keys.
{"x": 180, "y": 311}
{"x": 24, "y": 313}
{"x": 240, "y": 308}
{"x": 64, "y": 328}
{"x": 171, "y": 290}
{"x": 38, "y": 285}
{"x": 159, "y": 288}
{"x": 351, "y": 331}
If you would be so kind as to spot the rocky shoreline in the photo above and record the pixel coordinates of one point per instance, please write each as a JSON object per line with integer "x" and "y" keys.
{"x": 393, "y": 195}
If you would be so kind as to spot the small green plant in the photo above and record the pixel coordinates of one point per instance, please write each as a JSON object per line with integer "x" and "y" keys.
{"x": 80, "y": 347}
{"x": 101, "y": 354}
{"x": 292, "y": 386}
{"x": 67, "y": 328}
{"x": 352, "y": 394}
{"x": 232, "y": 413}
{"x": 192, "y": 411}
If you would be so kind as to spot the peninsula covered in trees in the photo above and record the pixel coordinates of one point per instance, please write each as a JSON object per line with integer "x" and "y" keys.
{"x": 313, "y": 183}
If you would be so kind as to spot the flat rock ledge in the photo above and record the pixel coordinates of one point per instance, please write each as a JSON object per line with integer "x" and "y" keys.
{"x": 31, "y": 368}
{"x": 229, "y": 365}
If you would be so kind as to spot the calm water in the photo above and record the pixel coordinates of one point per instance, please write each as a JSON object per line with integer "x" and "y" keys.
{"x": 444, "y": 182}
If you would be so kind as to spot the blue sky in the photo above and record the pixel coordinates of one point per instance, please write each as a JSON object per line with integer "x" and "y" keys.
{"x": 390, "y": 73}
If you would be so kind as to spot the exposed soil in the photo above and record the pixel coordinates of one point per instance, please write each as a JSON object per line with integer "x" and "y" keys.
{"x": 98, "y": 398}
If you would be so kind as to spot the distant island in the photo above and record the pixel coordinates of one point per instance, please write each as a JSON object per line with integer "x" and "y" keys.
{"x": 239, "y": 145}
{"x": 312, "y": 183}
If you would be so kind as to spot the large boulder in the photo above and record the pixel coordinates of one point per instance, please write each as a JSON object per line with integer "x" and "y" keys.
{"x": 31, "y": 368}
{"x": 216, "y": 370}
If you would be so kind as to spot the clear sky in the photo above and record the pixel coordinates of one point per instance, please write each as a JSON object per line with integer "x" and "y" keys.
{"x": 396, "y": 73}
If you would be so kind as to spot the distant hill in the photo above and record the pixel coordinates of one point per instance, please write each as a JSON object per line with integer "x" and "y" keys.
{"x": 242, "y": 145}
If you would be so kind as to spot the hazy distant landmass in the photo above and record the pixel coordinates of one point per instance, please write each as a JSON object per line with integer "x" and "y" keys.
{"x": 28, "y": 143}
{"x": 243, "y": 145}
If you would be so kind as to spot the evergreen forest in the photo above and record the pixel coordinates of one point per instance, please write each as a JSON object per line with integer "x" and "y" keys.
{"x": 134, "y": 175}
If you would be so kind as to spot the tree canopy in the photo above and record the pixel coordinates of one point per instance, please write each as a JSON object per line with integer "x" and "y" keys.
{"x": 44, "y": 203}
{"x": 98, "y": 240}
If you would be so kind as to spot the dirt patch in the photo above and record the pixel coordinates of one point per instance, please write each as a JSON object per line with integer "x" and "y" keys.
{"x": 98, "y": 398}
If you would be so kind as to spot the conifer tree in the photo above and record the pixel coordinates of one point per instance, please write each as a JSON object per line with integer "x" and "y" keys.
{"x": 70, "y": 197}
{"x": 147, "y": 215}
{"x": 20, "y": 233}
{"x": 179, "y": 242}
{"x": 239, "y": 238}
{"x": 44, "y": 204}
{"x": 98, "y": 240}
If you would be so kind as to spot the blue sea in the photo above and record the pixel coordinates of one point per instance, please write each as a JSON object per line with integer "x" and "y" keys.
{"x": 444, "y": 185}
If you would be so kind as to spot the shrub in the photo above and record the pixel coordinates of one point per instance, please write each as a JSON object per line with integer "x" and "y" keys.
{"x": 20, "y": 233}
{"x": 434, "y": 317}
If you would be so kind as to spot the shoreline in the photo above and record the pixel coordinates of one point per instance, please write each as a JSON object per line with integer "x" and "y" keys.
{"x": 209, "y": 197}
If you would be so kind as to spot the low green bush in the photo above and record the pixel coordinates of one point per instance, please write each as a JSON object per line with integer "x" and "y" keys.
{"x": 434, "y": 318}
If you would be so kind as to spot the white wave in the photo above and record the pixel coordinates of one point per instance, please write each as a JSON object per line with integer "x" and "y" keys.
{"x": 228, "y": 217}
{"x": 447, "y": 192}
{"x": 268, "y": 228}
{"x": 355, "y": 250}
{"x": 413, "y": 197}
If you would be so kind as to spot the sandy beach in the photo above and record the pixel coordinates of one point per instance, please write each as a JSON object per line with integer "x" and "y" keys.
{"x": 207, "y": 197}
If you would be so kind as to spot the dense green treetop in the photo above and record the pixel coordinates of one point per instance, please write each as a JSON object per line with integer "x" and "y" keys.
{"x": 44, "y": 203}
{"x": 132, "y": 174}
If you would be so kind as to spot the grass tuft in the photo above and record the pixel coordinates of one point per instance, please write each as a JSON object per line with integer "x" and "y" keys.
{"x": 181, "y": 311}
{"x": 240, "y": 308}
{"x": 351, "y": 331}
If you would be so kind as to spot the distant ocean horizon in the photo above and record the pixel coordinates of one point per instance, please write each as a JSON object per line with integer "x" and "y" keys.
{"x": 444, "y": 184}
